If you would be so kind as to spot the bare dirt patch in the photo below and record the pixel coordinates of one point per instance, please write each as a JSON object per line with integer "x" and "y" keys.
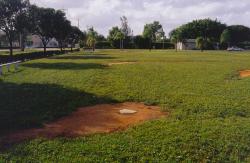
{"x": 120, "y": 63}
{"x": 245, "y": 73}
{"x": 103, "y": 118}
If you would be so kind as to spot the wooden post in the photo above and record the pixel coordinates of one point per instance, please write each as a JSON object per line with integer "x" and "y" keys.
{"x": 8, "y": 67}
{"x": 16, "y": 66}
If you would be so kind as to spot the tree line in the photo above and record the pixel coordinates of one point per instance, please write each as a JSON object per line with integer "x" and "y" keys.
{"x": 208, "y": 32}
{"x": 19, "y": 17}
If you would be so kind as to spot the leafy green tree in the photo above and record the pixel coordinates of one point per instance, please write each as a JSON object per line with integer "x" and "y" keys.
{"x": 23, "y": 27}
{"x": 141, "y": 42}
{"x": 75, "y": 36}
{"x": 151, "y": 31}
{"x": 125, "y": 29}
{"x": 116, "y": 35}
{"x": 9, "y": 11}
{"x": 100, "y": 38}
{"x": 175, "y": 37}
{"x": 239, "y": 33}
{"x": 205, "y": 28}
{"x": 62, "y": 27}
{"x": 201, "y": 43}
{"x": 226, "y": 37}
{"x": 43, "y": 25}
{"x": 91, "y": 38}
{"x": 120, "y": 36}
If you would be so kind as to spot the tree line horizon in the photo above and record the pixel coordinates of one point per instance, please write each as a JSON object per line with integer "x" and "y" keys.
{"x": 21, "y": 18}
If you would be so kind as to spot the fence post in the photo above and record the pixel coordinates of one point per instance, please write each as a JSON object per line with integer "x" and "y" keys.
{"x": 1, "y": 73}
{"x": 16, "y": 66}
{"x": 8, "y": 67}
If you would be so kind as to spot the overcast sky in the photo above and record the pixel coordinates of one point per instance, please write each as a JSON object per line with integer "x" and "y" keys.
{"x": 104, "y": 14}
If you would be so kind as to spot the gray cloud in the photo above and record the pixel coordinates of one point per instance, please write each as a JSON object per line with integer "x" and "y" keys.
{"x": 103, "y": 14}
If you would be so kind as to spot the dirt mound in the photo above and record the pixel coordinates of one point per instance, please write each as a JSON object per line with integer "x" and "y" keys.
{"x": 103, "y": 118}
{"x": 120, "y": 63}
{"x": 245, "y": 73}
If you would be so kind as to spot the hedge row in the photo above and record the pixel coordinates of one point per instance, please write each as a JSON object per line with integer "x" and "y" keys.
{"x": 130, "y": 45}
{"x": 32, "y": 55}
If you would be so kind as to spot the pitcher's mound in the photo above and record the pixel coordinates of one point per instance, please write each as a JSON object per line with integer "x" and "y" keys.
{"x": 103, "y": 118}
{"x": 245, "y": 73}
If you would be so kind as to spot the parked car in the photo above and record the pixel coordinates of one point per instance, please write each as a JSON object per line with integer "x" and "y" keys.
{"x": 235, "y": 49}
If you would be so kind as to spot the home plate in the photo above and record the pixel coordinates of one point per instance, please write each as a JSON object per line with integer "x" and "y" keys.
{"x": 127, "y": 111}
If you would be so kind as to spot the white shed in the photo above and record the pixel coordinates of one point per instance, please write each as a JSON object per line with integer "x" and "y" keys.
{"x": 188, "y": 44}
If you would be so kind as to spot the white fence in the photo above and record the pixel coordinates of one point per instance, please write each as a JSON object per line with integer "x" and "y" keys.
{"x": 8, "y": 65}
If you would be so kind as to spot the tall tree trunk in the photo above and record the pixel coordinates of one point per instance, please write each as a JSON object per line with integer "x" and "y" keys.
{"x": 71, "y": 48}
{"x": 61, "y": 47}
{"x": 150, "y": 45}
{"x": 44, "y": 48}
{"x": 93, "y": 47}
{"x": 11, "y": 48}
{"x": 22, "y": 46}
{"x": 10, "y": 44}
{"x": 44, "y": 45}
{"x": 120, "y": 44}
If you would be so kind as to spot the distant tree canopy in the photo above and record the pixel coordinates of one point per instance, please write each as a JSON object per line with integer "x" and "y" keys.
{"x": 125, "y": 29}
{"x": 115, "y": 36}
{"x": 10, "y": 11}
{"x": 91, "y": 38}
{"x": 120, "y": 37}
{"x": 62, "y": 27}
{"x": 75, "y": 36}
{"x": 43, "y": 23}
{"x": 205, "y": 28}
{"x": 19, "y": 17}
{"x": 226, "y": 37}
{"x": 235, "y": 34}
{"x": 152, "y": 32}
{"x": 176, "y": 36}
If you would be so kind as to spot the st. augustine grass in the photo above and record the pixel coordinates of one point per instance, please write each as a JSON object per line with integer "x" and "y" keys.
{"x": 208, "y": 102}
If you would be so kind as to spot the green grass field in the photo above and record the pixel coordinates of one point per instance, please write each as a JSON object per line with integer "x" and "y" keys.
{"x": 209, "y": 106}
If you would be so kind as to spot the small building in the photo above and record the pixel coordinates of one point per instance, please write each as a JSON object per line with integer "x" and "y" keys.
{"x": 188, "y": 44}
{"x": 34, "y": 41}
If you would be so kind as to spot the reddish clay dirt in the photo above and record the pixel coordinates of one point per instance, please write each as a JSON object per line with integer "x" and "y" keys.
{"x": 120, "y": 63}
{"x": 245, "y": 73}
{"x": 103, "y": 118}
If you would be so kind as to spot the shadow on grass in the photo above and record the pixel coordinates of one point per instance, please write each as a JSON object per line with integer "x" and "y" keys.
{"x": 65, "y": 66}
{"x": 30, "y": 105}
{"x": 84, "y": 57}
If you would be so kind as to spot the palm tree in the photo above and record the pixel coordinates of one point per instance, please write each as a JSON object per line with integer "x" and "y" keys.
{"x": 201, "y": 43}
{"x": 92, "y": 36}
{"x": 120, "y": 36}
{"x": 91, "y": 41}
